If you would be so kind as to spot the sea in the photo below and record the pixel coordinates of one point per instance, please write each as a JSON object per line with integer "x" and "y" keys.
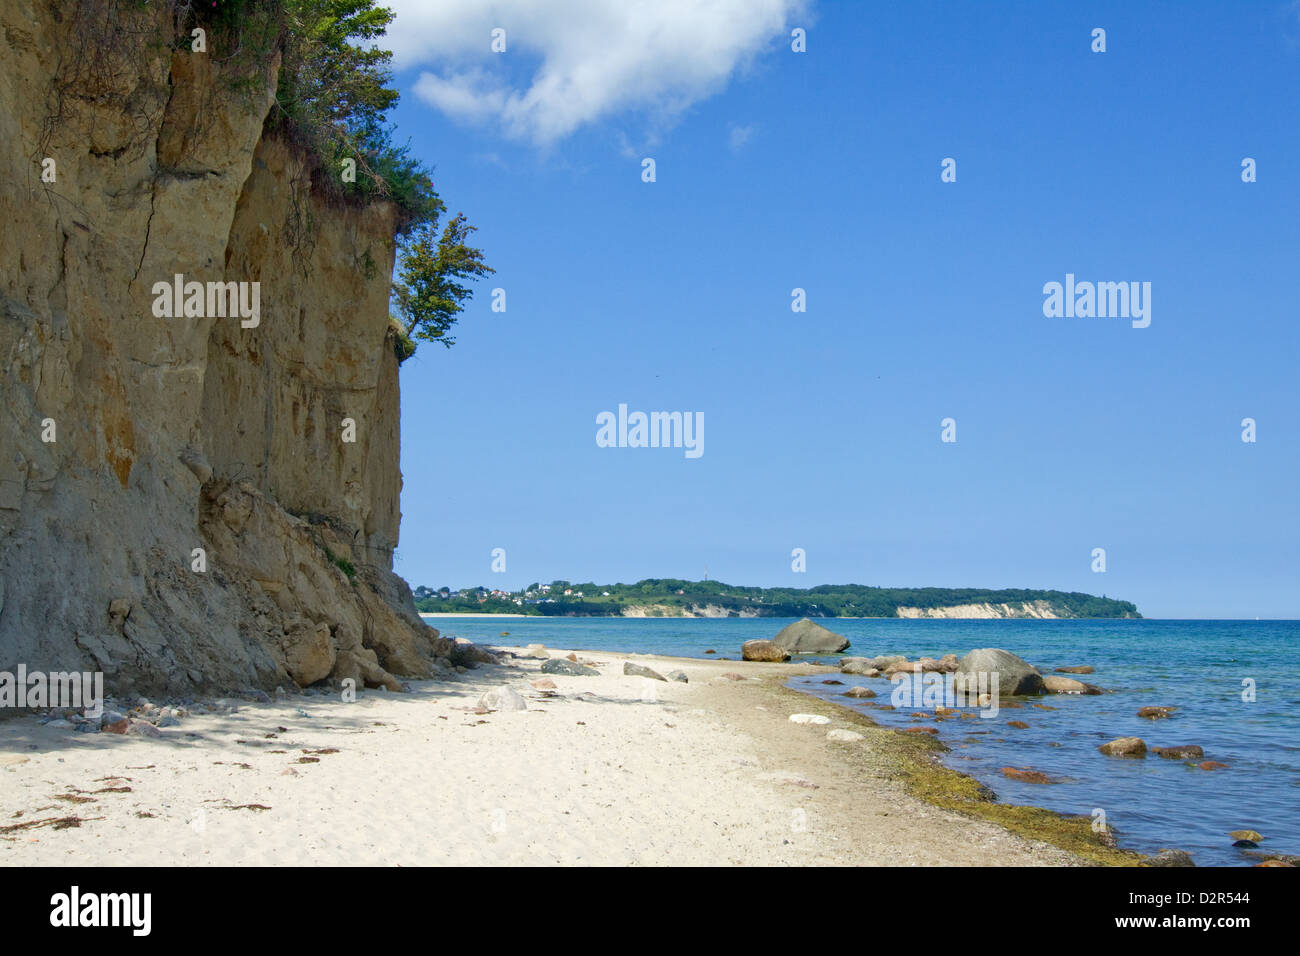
{"x": 1235, "y": 684}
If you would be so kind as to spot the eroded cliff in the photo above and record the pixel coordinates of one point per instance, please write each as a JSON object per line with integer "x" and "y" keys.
{"x": 180, "y": 506}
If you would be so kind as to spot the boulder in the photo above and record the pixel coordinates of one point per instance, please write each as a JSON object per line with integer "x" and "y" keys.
{"x": 637, "y": 670}
{"x": 949, "y": 663}
{"x": 1254, "y": 836}
{"x": 1171, "y": 858}
{"x": 808, "y": 637}
{"x": 561, "y": 665}
{"x": 308, "y": 651}
{"x": 760, "y": 650}
{"x": 1125, "y": 747}
{"x": 858, "y": 665}
{"x": 859, "y": 692}
{"x": 502, "y": 698}
{"x": 1068, "y": 685}
{"x": 679, "y": 676}
{"x": 1015, "y": 676}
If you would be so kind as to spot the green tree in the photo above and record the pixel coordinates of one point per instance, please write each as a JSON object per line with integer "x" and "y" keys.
{"x": 429, "y": 294}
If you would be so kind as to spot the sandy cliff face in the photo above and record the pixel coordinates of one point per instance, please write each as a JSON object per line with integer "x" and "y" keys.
{"x": 1025, "y": 609}
{"x": 129, "y": 440}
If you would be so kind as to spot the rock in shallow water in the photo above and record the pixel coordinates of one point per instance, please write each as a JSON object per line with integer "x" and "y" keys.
{"x": 859, "y": 692}
{"x": 1015, "y": 676}
{"x": 1125, "y": 747}
{"x": 1171, "y": 858}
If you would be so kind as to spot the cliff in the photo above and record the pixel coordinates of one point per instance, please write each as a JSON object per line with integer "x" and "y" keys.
{"x": 129, "y": 440}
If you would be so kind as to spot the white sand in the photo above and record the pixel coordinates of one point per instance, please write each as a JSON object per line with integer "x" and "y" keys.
{"x": 639, "y": 772}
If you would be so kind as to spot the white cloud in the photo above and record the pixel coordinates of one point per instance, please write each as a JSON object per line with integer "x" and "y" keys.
{"x": 593, "y": 58}
{"x": 739, "y": 136}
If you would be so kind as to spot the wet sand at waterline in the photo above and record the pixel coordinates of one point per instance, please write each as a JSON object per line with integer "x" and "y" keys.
{"x": 610, "y": 769}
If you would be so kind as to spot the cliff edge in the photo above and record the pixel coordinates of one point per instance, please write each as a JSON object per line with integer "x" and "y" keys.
{"x": 194, "y": 501}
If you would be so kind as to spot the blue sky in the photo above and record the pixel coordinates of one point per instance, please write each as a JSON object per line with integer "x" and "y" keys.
{"x": 821, "y": 170}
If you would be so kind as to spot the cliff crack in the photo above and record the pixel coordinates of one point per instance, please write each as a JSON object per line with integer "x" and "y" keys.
{"x": 148, "y": 226}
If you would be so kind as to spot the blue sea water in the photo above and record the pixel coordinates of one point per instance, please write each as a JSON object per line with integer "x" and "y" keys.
{"x": 1200, "y": 667}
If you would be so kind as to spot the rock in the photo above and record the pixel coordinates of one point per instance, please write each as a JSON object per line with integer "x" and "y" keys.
{"x": 858, "y": 665}
{"x": 544, "y": 683}
{"x": 1156, "y": 713}
{"x": 710, "y": 651}
{"x": 536, "y": 651}
{"x": 921, "y": 730}
{"x": 731, "y": 676}
{"x": 831, "y": 681}
{"x": 1067, "y": 685}
{"x": 1171, "y": 858}
{"x": 859, "y": 692}
{"x": 168, "y": 721}
{"x": 1026, "y": 776}
{"x": 1246, "y": 844}
{"x": 88, "y": 727}
{"x": 59, "y": 724}
{"x": 562, "y": 665}
{"x": 637, "y": 670}
{"x": 1275, "y": 863}
{"x": 808, "y": 637}
{"x": 1254, "y": 836}
{"x": 1081, "y": 669}
{"x": 119, "y": 608}
{"x": 199, "y": 466}
{"x": 1212, "y": 765}
{"x": 503, "y": 699}
{"x": 679, "y": 676}
{"x": 1184, "y": 752}
{"x": 902, "y": 667}
{"x": 881, "y": 661}
{"x": 119, "y": 726}
{"x": 308, "y": 651}
{"x": 949, "y": 663}
{"x": 572, "y": 656}
{"x": 1015, "y": 676}
{"x": 143, "y": 728}
{"x": 1125, "y": 747}
{"x": 760, "y": 650}
{"x": 1018, "y": 724}
{"x": 930, "y": 665}
{"x": 809, "y": 719}
{"x": 845, "y": 736}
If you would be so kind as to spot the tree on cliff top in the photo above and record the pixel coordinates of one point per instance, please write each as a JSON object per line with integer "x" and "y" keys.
{"x": 428, "y": 294}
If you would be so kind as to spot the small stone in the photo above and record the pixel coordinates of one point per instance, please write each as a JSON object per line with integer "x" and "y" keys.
{"x": 832, "y": 681}
{"x": 544, "y": 683}
{"x": 168, "y": 721}
{"x": 859, "y": 692}
{"x": 1020, "y": 724}
{"x": 119, "y": 607}
{"x": 1184, "y": 752}
{"x": 1026, "y": 776}
{"x": 731, "y": 676}
{"x": 142, "y": 728}
{"x": 809, "y": 719}
{"x": 1212, "y": 765}
{"x": 934, "y": 731}
{"x": 679, "y": 676}
{"x": 1156, "y": 713}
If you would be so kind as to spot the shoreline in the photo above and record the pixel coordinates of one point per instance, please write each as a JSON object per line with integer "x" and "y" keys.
{"x": 613, "y": 769}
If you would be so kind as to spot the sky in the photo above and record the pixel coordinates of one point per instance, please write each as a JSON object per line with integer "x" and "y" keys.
{"x": 777, "y": 170}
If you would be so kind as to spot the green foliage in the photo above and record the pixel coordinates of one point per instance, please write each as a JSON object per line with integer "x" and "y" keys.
{"x": 428, "y": 293}
{"x": 826, "y": 600}
{"x": 343, "y": 564}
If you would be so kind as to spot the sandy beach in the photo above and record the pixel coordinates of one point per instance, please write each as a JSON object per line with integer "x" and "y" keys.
{"x": 611, "y": 769}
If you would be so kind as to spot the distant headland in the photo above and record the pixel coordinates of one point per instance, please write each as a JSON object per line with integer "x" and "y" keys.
{"x": 669, "y": 597}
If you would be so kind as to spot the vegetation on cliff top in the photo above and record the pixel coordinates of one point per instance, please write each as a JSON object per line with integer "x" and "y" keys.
{"x": 560, "y": 598}
{"x": 333, "y": 94}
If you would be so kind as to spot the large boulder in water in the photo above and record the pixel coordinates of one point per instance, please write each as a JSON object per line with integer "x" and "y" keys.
{"x": 808, "y": 637}
{"x": 760, "y": 650}
{"x": 1014, "y": 676}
